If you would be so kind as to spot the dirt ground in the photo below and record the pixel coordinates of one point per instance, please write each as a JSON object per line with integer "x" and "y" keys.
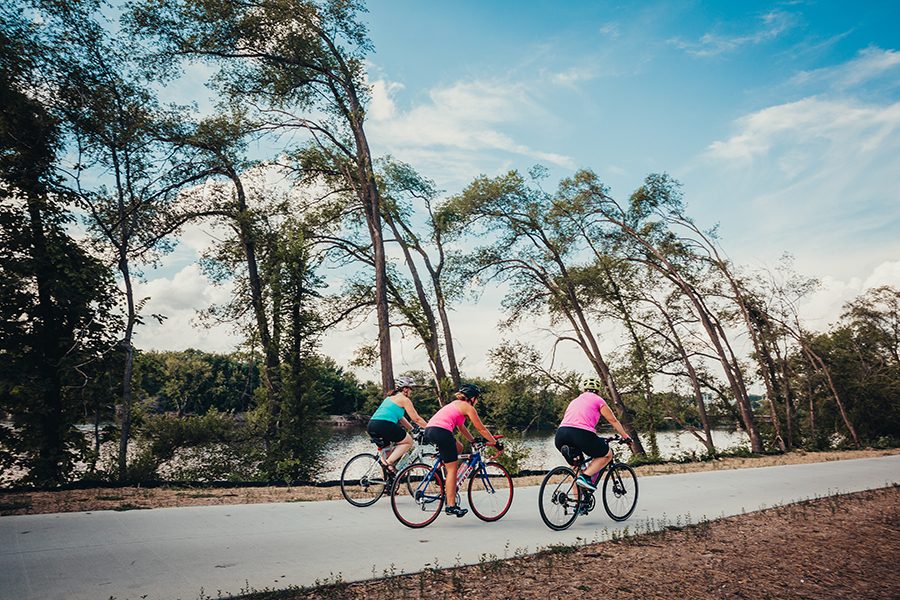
{"x": 836, "y": 547}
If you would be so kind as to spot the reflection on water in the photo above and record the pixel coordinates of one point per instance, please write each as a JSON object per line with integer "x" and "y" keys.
{"x": 347, "y": 442}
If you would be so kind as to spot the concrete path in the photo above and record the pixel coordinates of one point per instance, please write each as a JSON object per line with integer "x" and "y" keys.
{"x": 189, "y": 553}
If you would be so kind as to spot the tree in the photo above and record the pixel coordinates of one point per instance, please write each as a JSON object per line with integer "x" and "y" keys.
{"x": 89, "y": 82}
{"x": 535, "y": 252}
{"x": 54, "y": 307}
{"x": 646, "y": 239}
{"x": 288, "y": 55}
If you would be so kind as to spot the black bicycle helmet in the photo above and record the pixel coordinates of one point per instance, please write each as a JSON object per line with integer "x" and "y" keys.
{"x": 470, "y": 391}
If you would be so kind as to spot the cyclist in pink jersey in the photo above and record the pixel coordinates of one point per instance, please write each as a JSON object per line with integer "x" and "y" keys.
{"x": 439, "y": 432}
{"x": 577, "y": 430}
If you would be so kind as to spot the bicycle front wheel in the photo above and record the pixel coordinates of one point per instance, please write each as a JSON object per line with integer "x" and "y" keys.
{"x": 362, "y": 480}
{"x": 490, "y": 492}
{"x": 558, "y": 498}
{"x": 417, "y": 496}
{"x": 620, "y": 492}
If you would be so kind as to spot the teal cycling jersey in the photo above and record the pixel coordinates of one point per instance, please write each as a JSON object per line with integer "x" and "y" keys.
{"x": 388, "y": 411}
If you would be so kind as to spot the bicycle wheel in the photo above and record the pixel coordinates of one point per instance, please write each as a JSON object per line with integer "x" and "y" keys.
{"x": 490, "y": 492}
{"x": 362, "y": 480}
{"x": 421, "y": 506}
{"x": 558, "y": 498}
{"x": 620, "y": 492}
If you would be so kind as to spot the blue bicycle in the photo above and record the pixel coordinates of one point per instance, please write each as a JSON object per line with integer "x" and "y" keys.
{"x": 417, "y": 495}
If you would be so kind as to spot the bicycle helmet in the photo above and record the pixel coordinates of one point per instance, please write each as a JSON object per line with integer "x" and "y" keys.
{"x": 403, "y": 382}
{"x": 470, "y": 391}
{"x": 591, "y": 383}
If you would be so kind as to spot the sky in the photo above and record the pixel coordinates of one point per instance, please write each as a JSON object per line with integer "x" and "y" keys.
{"x": 781, "y": 120}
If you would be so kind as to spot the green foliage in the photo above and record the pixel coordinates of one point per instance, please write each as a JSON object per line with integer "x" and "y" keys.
{"x": 193, "y": 382}
{"x": 54, "y": 296}
{"x": 342, "y": 388}
{"x": 861, "y": 355}
{"x": 295, "y": 450}
{"x": 514, "y": 451}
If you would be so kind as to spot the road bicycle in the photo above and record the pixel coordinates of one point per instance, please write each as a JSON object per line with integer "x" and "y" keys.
{"x": 365, "y": 478}
{"x": 561, "y": 501}
{"x": 417, "y": 495}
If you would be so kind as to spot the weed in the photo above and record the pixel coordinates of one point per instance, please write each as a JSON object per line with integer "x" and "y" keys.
{"x": 130, "y": 506}
{"x": 8, "y": 508}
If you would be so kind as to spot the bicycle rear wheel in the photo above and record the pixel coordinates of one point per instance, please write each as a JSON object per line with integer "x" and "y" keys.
{"x": 620, "y": 492}
{"x": 558, "y": 498}
{"x": 362, "y": 480}
{"x": 417, "y": 496}
{"x": 490, "y": 492}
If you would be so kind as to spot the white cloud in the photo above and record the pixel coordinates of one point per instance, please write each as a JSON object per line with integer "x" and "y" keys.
{"x": 382, "y": 105}
{"x": 179, "y": 299}
{"x": 467, "y": 116}
{"x": 847, "y": 126}
{"x": 869, "y": 63}
{"x": 823, "y": 308}
{"x": 772, "y": 25}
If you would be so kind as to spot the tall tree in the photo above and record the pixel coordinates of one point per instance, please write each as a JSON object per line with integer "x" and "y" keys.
{"x": 647, "y": 240}
{"x": 535, "y": 252}
{"x": 54, "y": 297}
{"x": 289, "y": 57}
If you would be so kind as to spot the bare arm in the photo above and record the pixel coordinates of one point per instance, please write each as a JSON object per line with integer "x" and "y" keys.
{"x": 469, "y": 411}
{"x": 407, "y": 405}
{"x": 607, "y": 413}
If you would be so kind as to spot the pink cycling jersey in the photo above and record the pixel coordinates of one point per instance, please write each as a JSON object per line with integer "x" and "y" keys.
{"x": 449, "y": 417}
{"x": 584, "y": 412}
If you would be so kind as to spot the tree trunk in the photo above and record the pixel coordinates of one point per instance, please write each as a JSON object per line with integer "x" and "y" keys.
{"x": 131, "y": 316}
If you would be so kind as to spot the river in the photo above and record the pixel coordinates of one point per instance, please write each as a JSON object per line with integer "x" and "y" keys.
{"x": 347, "y": 442}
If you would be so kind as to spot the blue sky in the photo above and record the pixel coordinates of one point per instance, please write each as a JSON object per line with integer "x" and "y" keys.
{"x": 780, "y": 119}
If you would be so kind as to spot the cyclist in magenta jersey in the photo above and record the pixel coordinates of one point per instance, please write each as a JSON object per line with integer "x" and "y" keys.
{"x": 439, "y": 431}
{"x": 387, "y": 420}
{"x": 577, "y": 430}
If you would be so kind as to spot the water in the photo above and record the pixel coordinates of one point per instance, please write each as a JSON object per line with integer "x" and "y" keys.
{"x": 347, "y": 442}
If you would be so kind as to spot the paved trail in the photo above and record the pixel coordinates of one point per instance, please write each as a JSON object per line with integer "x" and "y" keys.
{"x": 170, "y": 553}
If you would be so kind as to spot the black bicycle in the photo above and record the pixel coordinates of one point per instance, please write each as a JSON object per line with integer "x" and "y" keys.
{"x": 561, "y": 501}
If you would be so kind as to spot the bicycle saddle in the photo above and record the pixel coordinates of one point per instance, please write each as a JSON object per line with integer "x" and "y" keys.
{"x": 572, "y": 455}
{"x": 380, "y": 442}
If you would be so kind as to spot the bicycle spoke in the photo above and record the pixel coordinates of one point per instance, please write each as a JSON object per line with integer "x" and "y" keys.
{"x": 417, "y": 496}
{"x": 620, "y": 492}
{"x": 490, "y": 492}
{"x": 558, "y": 499}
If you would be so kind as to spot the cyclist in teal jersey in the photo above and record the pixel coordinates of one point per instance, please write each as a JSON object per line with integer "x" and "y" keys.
{"x": 390, "y": 415}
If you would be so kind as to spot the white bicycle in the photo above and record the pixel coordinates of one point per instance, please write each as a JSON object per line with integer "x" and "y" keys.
{"x": 365, "y": 479}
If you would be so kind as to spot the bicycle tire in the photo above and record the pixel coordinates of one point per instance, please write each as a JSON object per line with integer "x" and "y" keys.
{"x": 620, "y": 492}
{"x": 558, "y": 499}
{"x": 424, "y": 504}
{"x": 362, "y": 480}
{"x": 490, "y": 492}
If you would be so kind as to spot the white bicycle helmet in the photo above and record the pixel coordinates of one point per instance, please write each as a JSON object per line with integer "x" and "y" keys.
{"x": 403, "y": 382}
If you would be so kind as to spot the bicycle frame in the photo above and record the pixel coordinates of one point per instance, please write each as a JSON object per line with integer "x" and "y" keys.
{"x": 417, "y": 452}
{"x": 474, "y": 462}
{"x": 561, "y": 500}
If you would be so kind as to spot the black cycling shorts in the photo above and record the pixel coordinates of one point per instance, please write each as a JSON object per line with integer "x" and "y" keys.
{"x": 389, "y": 432}
{"x": 445, "y": 442}
{"x": 581, "y": 439}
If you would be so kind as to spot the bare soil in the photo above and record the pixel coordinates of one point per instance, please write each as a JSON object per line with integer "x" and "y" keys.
{"x": 836, "y": 547}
